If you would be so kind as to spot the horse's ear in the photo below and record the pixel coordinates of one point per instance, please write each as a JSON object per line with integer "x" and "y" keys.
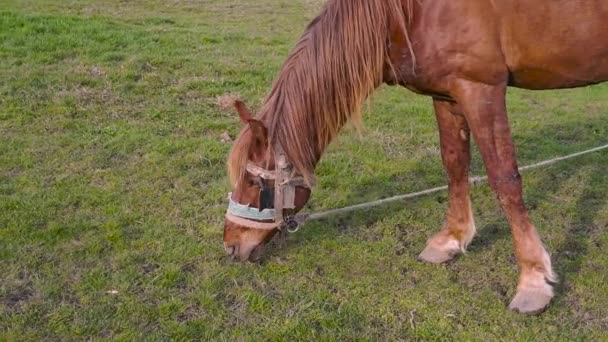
{"x": 244, "y": 112}
{"x": 259, "y": 132}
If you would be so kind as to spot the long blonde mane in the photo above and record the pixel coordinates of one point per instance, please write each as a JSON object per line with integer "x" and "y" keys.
{"x": 337, "y": 63}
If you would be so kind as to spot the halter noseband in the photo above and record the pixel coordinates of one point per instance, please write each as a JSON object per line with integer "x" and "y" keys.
{"x": 285, "y": 183}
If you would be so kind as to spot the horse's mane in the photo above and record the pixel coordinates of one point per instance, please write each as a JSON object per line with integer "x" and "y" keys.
{"x": 337, "y": 63}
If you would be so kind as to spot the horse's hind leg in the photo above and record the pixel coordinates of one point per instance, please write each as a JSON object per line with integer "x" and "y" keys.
{"x": 459, "y": 227}
{"x": 485, "y": 111}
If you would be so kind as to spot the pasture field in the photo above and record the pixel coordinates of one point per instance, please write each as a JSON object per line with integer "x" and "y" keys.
{"x": 113, "y": 188}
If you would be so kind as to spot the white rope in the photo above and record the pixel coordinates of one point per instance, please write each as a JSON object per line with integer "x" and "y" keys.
{"x": 472, "y": 180}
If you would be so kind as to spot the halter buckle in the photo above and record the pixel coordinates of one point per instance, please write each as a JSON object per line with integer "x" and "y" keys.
{"x": 291, "y": 224}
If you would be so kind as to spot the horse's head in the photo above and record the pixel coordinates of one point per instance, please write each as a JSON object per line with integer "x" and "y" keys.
{"x": 265, "y": 190}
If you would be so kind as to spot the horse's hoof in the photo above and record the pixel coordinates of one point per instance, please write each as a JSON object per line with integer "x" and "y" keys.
{"x": 532, "y": 300}
{"x": 437, "y": 255}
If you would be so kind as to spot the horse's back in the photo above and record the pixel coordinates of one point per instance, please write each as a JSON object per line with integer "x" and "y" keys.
{"x": 540, "y": 44}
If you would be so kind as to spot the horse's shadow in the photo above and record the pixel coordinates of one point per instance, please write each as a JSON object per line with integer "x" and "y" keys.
{"x": 567, "y": 256}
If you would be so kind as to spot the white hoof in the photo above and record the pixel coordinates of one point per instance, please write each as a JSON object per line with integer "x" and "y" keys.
{"x": 532, "y": 300}
{"x": 534, "y": 291}
{"x": 437, "y": 254}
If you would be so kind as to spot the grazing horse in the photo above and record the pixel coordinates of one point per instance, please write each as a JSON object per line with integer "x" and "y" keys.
{"x": 462, "y": 53}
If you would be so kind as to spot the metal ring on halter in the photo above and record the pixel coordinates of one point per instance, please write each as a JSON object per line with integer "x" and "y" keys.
{"x": 291, "y": 225}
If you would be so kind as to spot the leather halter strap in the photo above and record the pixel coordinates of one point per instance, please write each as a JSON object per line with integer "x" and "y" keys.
{"x": 251, "y": 223}
{"x": 260, "y": 171}
{"x": 282, "y": 175}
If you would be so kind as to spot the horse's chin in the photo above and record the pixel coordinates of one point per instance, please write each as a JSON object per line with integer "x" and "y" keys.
{"x": 257, "y": 253}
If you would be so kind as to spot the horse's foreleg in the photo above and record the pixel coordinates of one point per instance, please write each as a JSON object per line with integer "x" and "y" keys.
{"x": 459, "y": 227}
{"x": 485, "y": 111}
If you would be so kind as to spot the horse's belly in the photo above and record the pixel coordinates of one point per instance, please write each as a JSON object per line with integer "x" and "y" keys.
{"x": 555, "y": 44}
{"x": 548, "y": 65}
{"x": 551, "y": 76}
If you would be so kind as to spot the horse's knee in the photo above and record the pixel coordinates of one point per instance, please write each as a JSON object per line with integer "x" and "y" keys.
{"x": 508, "y": 187}
{"x": 508, "y": 179}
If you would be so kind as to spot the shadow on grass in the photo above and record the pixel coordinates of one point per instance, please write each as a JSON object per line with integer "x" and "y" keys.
{"x": 570, "y": 255}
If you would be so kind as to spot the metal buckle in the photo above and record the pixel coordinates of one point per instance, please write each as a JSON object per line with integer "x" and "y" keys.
{"x": 291, "y": 224}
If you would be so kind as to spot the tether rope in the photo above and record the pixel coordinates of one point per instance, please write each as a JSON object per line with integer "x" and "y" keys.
{"x": 472, "y": 180}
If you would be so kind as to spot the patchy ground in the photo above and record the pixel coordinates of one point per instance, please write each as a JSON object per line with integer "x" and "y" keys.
{"x": 113, "y": 186}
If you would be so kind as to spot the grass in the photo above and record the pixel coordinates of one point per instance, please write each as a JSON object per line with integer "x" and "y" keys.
{"x": 113, "y": 185}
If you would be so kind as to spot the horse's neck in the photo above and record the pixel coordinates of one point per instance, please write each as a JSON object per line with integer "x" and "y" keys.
{"x": 336, "y": 64}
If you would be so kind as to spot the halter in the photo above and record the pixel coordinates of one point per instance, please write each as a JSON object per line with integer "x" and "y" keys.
{"x": 283, "y": 197}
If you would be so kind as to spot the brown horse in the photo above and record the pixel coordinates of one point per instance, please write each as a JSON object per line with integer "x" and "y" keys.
{"x": 462, "y": 53}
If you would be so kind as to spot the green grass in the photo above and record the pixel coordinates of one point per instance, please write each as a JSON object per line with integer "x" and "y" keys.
{"x": 113, "y": 186}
